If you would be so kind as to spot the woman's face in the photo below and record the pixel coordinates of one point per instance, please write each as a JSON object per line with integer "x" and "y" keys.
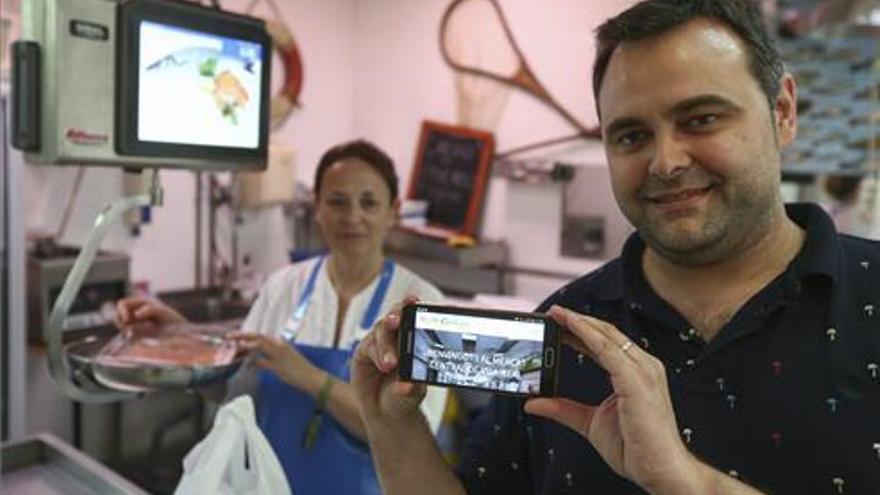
{"x": 354, "y": 209}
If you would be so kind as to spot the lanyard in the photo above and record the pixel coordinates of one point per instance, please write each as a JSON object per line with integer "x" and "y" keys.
{"x": 293, "y": 323}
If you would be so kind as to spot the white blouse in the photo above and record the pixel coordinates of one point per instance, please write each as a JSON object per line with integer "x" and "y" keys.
{"x": 280, "y": 295}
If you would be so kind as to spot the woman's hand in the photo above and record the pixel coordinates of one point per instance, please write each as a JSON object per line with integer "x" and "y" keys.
{"x": 278, "y": 356}
{"x": 634, "y": 429}
{"x": 138, "y": 309}
{"x": 383, "y": 397}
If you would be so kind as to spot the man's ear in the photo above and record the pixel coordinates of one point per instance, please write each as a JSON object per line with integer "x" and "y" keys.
{"x": 395, "y": 210}
{"x": 785, "y": 111}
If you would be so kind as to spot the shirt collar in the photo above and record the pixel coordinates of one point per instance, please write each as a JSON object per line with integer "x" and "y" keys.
{"x": 819, "y": 255}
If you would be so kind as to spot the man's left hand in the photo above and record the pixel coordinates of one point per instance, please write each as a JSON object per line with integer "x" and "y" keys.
{"x": 634, "y": 429}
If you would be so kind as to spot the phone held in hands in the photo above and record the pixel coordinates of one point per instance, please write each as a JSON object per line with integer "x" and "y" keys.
{"x": 497, "y": 351}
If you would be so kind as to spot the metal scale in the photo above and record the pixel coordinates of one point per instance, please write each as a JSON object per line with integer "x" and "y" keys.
{"x": 76, "y": 86}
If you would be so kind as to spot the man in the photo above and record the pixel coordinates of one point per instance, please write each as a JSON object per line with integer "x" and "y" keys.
{"x": 732, "y": 348}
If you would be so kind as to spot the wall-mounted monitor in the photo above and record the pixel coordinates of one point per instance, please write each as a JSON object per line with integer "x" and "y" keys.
{"x": 158, "y": 83}
{"x": 192, "y": 82}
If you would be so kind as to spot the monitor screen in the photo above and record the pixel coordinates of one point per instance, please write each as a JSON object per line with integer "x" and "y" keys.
{"x": 193, "y": 82}
{"x": 208, "y": 84}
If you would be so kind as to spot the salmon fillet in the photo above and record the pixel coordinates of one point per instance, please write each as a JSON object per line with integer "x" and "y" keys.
{"x": 170, "y": 345}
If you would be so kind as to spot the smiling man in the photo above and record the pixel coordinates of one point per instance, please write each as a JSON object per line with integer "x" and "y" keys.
{"x": 733, "y": 347}
{"x": 693, "y": 145}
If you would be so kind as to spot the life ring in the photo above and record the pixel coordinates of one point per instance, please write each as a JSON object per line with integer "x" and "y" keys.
{"x": 287, "y": 98}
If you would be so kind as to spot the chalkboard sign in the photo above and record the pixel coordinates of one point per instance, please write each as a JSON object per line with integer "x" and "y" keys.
{"x": 450, "y": 172}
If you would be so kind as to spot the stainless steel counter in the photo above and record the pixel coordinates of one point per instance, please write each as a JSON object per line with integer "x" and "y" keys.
{"x": 458, "y": 271}
{"x": 44, "y": 465}
{"x": 143, "y": 439}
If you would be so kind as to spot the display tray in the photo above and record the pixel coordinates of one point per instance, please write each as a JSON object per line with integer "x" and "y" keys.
{"x": 44, "y": 465}
{"x": 89, "y": 359}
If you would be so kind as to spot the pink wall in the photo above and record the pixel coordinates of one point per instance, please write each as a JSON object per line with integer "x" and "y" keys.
{"x": 372, "y": 69}
{"x": 402, "y": 79}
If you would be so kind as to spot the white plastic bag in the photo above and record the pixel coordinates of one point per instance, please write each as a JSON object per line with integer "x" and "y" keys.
{"x": 217, "y": 464}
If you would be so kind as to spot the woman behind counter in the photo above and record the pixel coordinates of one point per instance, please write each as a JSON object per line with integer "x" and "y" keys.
{"x": 310, "y": 315}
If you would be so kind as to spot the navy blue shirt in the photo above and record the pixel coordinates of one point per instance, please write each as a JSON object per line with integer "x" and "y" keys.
{"x": 786, "y": 397}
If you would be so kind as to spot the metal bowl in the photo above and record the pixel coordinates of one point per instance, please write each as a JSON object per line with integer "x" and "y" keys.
{"x": 82, "y": 365}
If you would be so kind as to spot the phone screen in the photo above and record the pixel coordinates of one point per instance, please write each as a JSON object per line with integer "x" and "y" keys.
{"x": 498, "y": 351}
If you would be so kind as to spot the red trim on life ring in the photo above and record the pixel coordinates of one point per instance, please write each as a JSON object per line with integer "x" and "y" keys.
{"x": 287, "y": 97}
{"x": 293, "y": 74}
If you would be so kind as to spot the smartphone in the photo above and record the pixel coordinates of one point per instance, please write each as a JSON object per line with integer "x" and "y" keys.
{"x": 497, "y": 351}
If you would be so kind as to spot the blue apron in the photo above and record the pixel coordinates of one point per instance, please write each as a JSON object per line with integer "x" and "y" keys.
{"x": 336, "y": 462}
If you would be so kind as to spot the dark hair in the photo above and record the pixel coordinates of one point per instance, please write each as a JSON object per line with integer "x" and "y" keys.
{"x": 362, "y": 150}
{"x": 654, "y": 17}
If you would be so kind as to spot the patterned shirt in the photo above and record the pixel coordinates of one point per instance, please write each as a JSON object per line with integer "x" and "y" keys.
{"x": 786, "y": 397}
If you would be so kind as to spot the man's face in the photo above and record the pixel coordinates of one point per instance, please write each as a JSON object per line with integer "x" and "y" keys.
{"x": 692, "y": 143}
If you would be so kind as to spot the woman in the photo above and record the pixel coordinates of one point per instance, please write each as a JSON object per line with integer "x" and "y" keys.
{"x": 309, "y": 317}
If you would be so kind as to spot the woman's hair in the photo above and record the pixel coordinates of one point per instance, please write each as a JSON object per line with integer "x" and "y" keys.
{"x": 364, "y": 151}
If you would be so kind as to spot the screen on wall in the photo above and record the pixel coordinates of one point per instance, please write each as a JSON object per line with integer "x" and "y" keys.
{"x": 193, "y": 82}
{"x": 210, "y": 84}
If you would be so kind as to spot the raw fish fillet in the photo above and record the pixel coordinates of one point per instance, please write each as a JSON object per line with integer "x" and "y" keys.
{"x": 168, "y": 345}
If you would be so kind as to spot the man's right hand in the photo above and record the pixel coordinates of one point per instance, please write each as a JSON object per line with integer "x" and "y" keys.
{"x": 385, "y": 400}
{"x": 137, "y": 309}
{"x": 404, "y": 452}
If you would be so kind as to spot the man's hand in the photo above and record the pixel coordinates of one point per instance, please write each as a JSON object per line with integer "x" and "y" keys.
{"x": 384, "y": 399}
{"x": 403, "y": 449}
{"x": 634, "y": 429}
{"x": 138, "y": 309}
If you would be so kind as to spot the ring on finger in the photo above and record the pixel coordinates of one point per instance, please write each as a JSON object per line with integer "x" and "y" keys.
{"x": 625, "y": 346}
